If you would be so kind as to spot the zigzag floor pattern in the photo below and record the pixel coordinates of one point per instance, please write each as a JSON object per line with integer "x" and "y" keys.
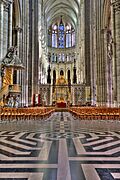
{"x": 59, "y": 148}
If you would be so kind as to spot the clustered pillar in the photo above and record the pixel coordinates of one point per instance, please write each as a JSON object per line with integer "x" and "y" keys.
{"x": 116, "y": 14}
{"x": 5, "y": 32}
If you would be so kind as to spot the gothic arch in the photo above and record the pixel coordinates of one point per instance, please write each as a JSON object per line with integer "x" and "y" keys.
{"x": 54, "y": 76}
{"x": 61, "y": 72}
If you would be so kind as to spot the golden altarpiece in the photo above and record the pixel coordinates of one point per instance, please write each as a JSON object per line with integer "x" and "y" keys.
{"x": 61, "y": 92}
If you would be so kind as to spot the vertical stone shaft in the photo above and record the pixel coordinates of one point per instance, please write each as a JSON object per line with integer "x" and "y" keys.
{"x": 1, "y": 37}
{"x": 10, "y": 25}
{"x": 93, "y": 52}
{"x": 116, "y": 9}
{"x": 1, "y": 30}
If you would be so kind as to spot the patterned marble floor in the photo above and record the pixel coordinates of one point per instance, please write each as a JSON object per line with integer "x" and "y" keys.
{"x": 60, "y": 148}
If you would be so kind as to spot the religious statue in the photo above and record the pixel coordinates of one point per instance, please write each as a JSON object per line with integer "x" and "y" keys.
{"x": 109, "y": 44}
{"x": 11, "y": 101}
{"x": 17, "y": 101}
{"x": 61, "y": 81}
{"x": 10, "y": 56}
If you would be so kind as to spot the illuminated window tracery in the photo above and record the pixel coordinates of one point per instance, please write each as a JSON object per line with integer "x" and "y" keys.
{"x": 61, "y": 35}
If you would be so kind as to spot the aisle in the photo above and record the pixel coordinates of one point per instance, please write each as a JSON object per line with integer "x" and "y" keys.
{"x": 59, "y": 148}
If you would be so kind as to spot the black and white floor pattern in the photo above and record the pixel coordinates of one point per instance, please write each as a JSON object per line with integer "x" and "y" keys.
{"x": 58, "y": 149}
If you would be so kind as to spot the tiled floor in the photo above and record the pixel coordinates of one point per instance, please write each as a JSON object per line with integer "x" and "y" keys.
{"x": 60, "y": 148}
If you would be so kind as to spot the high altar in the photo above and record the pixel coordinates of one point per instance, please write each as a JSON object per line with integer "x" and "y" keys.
{"x": 61, "y": 93}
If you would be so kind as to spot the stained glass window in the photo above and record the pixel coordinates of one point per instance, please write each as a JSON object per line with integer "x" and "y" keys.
{"x": 61, "y": 36}
{"x": 73, "y": 39}
{"x": 68, "y": 39}
{"x": 54, "y": 39}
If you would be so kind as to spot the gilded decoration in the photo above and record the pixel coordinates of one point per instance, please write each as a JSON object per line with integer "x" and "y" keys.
{"x": 61, "y": 93}
{"x": 10, "y": 90}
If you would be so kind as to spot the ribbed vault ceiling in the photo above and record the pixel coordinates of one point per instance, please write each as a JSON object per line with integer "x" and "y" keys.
{"x": 68, "y": 9}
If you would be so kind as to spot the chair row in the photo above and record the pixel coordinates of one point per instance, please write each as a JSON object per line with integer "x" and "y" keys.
{"x": 91, "y": 113}
{"x": 25, "y": 113}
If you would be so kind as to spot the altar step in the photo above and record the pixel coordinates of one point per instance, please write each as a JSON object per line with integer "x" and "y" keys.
{"x": 61, "y": 110}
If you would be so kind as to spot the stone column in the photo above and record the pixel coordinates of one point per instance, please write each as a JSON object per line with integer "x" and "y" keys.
{"x": 114, "y": 73}
{"x": 33, "y": 44}
{"x": 93, "y": 52}
{"x": 19, "y": 31}
{"x": 100, "y": 59}
{"x": 10, "y": 24}
{"x": 87, "y": 43}
{"x": 1, "y": 36}
{"x": 107, "y": 67}
{"x": 82, "y": 42}
{"x": 116, "y": 13}
{"x": 24, "y": 53}
{"x": 1, "y": 30}
{"x": 6, "y": 6}
{"x": 35, "y": 47}
{"x": 5, "y": 27}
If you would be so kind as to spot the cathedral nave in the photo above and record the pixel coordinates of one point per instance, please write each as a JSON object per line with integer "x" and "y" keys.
{"x": 59, "y": 89}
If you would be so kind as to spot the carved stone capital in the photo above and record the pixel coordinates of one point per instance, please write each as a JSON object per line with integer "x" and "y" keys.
{"x": 6, "y": 4}
{"x": 18, "y": 29}
{"x": 116, "y": 5}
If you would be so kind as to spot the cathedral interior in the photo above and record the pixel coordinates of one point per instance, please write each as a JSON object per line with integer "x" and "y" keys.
{"x": 59, "y": 89}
